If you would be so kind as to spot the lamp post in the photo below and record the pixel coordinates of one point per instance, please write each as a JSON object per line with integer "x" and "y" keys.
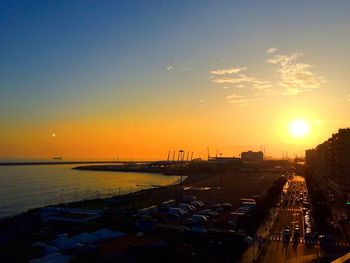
{"x": 253, "y": 249}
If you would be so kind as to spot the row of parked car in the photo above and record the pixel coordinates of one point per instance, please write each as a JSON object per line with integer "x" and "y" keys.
{"x": 189, "y": 213}
{"x": 171, "y": 208}
{"x": 207, "y": 214}
{"x": 182, "y": 209}
{"x": 308, "y": 223}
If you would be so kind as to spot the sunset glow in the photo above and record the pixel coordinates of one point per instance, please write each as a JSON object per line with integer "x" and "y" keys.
{"x": 133, "y": 83}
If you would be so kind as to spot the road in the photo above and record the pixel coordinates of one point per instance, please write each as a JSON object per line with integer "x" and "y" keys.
{"x": 290, "y": 213}
{"x": 281, "y": 247}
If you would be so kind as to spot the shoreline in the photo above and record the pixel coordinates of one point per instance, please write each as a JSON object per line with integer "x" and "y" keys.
{"x": 132, "y": 168}
{"x": 92, "y": 200}
{"x": 65, "y": 162}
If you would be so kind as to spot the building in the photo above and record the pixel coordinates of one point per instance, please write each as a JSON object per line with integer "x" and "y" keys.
{"x": 252, "y": 156}
{"x": 216, "y": 164}
{"x": 310, "y": 157}
{"x": 330, "y": 161}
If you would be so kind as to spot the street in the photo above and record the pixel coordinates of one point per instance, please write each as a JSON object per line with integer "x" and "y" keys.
{"x": 286, "y": 241}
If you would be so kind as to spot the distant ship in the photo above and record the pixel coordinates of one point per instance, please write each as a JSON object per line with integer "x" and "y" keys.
{"x": 57, "y": 158}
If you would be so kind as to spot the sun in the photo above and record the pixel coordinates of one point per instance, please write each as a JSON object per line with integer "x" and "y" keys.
{"x": 299, "y": 128}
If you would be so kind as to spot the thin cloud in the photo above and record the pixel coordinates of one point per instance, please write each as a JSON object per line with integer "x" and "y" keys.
{"x": 234, "y": 96}
{"x": 242, "y": 78}
{"x": 295, "y": 77}
{"x": 243, "y": 102}
{"x": 227, "y": 71}
{"x": 271, "y": 50}
{"x": 170, "y": 67}
{"x": 242, "y": 81}
{"x": 234, "y": 80}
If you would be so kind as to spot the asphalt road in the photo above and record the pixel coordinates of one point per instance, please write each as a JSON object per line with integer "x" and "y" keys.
{"x": 290, "y": 215}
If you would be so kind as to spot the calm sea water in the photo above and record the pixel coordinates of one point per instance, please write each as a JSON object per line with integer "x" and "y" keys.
{"x": 25, "y": 187}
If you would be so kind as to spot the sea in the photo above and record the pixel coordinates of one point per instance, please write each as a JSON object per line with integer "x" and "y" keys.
{"x": 24, "y": 187}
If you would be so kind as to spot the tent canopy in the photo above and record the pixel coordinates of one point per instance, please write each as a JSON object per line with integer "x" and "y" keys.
{"x": 52, "y": 258}
{"x": 86, "y": 238}
{"x": 106, "y": 233}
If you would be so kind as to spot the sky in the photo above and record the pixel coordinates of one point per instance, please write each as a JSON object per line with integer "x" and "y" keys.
{"x": 96, "y": 80}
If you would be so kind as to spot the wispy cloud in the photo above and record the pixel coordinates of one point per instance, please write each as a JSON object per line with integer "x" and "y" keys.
{"x": 233, "y": 80}
{"x": 170, "y": 67}
{"x": 243, "y": 101}
{"x": 348, "y": 98}
{"x": 242, "y": 78}
{"x": 201, "y": 101}
{"x": 240, "y": 100}
{"x": 227, "y": 71}
{"x": 295, "y": 77}
{"x": 271, "y": 50}
{"x": 234, "y": 96}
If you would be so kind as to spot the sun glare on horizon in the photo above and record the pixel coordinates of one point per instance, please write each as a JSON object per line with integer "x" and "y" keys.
{"x": 299, "y": 128}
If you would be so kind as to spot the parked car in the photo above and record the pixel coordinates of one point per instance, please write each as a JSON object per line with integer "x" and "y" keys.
{"x": 190, "y": 222}
{"x": 326, "y": 240}
{"x": 226, "y": 206}
{"x": 176, "y": 210}
{"x": 219, "y": 210}
{"x": 198, "y": 229}
{"x": 188, "y": 198}
{"x": 167, "y": 204}
{"x": 215, "y": 206}
{"x": 173, "y": 216}
{"x": 200, "y": 219}
{"x": 197, "y": 203}
{"x": 209, "y": 213}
